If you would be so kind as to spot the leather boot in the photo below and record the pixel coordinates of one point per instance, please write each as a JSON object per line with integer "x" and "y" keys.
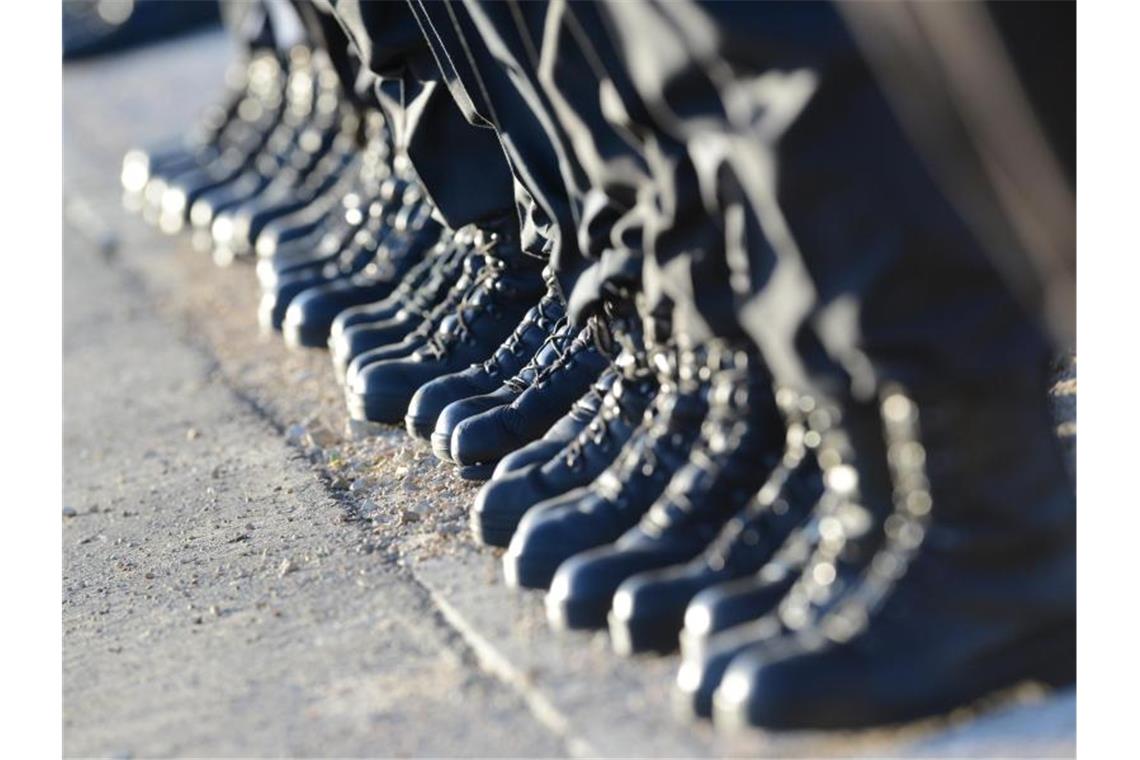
{"x": 360, "y": 252}
{"x": 563, "y": 432}
{"x": 314, "y": 117}
{"x": 506, "y": 287}
{"x": 208, "y": 137}
{"x": 544, "y": 357}
{"x": 412, "y": 328}
{"x": 361, "y": 329}
{"x": 325, "y": 243}
{"x": 842, "y": 535}
{"x": 555, "y": 530}
{"x": 516, "y": 487}
{"x": 479, "y": 379}
{"x": 650, "y": 608}
{"x": 310, "y": 315}
{"x": 256, "y": 113}
{"x": 481, "y": 440}
{"x": 972, "y": 590}
{"x": 272, "y": 131}
{"x": 742, "y": 442}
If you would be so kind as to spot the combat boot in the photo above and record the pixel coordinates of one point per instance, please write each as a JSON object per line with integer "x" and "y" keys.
{"x": 650, "y": 608}
{"x": 972, "y": 590}
{"x": 272, "y": 131}
{"x": 554, "y": 530}
{"x": 547, "y": 353}
{"x": 314, "y": 117}
{"x": 362, "y": 250}
{"x": 480, "y": 441}
{"x": 563, "y": 432}
{"x": 209, "y": 135}
{"x": 841, "y": 537}
{"x": 742, "y": 441}
{"x": 506, "y": 287}
{"x": 360, "y": 329}
{"x": 559, "y": 469}
{"x": 479, "y": 379}
{"x": 414, "y": 330}
{"x": 310, "y": 315}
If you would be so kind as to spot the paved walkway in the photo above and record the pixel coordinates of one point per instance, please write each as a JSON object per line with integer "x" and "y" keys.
{"x": 245, "y": 576}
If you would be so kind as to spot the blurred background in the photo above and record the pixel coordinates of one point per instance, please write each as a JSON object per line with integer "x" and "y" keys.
{"x": 98, "y": 27}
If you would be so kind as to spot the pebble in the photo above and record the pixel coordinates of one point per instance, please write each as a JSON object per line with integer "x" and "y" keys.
{"x": 192, "y": 434}
{"x": 286, "y": 567}
{"x": 69, "y": 512}
{"x": 295, "y": 434}
{"x": 358, "y": 485}
{"x": 408, "y": 516}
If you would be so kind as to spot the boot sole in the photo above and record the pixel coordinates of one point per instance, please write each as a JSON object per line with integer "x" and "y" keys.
{"x": 375, "y": 407}
{"x": 529, "y": 572}
{"x": 491, "y": 534}
{"x": 660, "y": 634}
{"x": 441, "y": 446}
{"x": 304, "y": 336}
{"x": 577, "y": 614}
{"x": 477, "y": 471}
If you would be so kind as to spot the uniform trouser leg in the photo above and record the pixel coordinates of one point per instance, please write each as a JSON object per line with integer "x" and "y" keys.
{"x": 462, "y": 167}
{"x": 852, "y": 248}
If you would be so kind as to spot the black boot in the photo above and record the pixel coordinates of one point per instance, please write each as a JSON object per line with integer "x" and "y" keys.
{"x": 742, "y": 441}
{"x": 554, "y": 530}
{"x": 544, "y": 357}
{"x": 309, "y": 223}
{"x": 246, "y": 82}
{"x": 320, "y": 246}
{"x": 313, "y": 166}
{"x": 972, "y": 590}
{"x": 481, "y": 440}
{"x": 360, "y": 329}
{"x": 272, "y": 130}
{"x": 361, "y": 251}
{"x": 563, "y": 432}
{"x": 479, "y": 379}
{"x": 650, "y": 608}
{"x": 559, "y": 469}
{"x": 506, "y": 287}
{"x": 313, "y": 120}
{"x": 310, "y": 315}
{"x": 414, "y": 330}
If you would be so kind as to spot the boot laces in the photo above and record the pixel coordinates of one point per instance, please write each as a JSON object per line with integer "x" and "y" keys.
{"x": 818, "y": 594}
{"x": 543, "y": 319}
{"x": 443, "y": 341}
{"x": 556, "y": 342}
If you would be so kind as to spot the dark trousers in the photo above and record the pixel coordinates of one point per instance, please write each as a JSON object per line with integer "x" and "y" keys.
{"x": 847, "y": 265}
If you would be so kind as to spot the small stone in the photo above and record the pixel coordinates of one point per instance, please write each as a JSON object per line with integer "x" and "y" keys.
{"x": 295, "y": 434}
{"x": 214, "y": 610}
{"x": 286, "y": 567}
{"x": 321, "y": 438}
{"x": 69, "y": 512}
{"x": 401, "y": 472}
{"x": 408, "y": 516}
{"x": 192, "y": 434}
{"x": 358, "y": 485}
